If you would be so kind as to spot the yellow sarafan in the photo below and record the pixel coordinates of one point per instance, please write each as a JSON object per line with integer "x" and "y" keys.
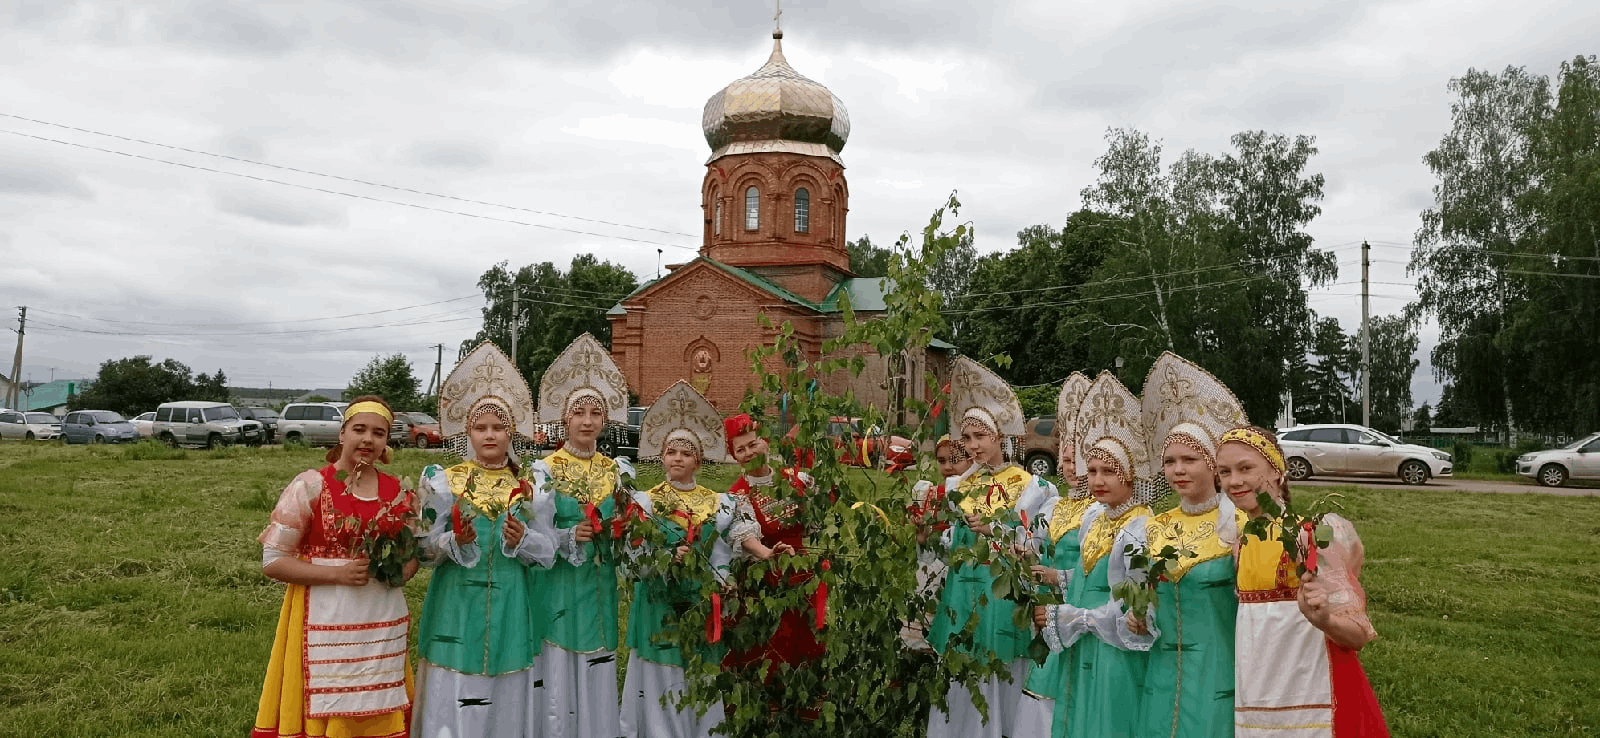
{"x": 492, "y": 488}
{"x": 1263, "y": 566}
{"x": 587, "y": 480}
{"x": 1198, "y": 533}
{"x": 1097, "y": 542}
{"x": 699, "y": 503}
{"x": 984, "y": 493}
{"x": 1068, "y": 516}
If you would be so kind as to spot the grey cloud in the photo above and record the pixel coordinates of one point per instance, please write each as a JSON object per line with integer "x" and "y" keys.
{"x": 21, "y": 175}
{"x": 1096, "y": 95}
{"x": 1285, "y": 105}
{"x": 278, "y": 208}
{"x": 444, "y": 154}
{"x": 230, "y": 27}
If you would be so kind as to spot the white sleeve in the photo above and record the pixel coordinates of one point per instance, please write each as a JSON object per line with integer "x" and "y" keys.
{"x": 565, "y": 539}
{"x": 439, "y": 540}
{"x": 290, "y": 518}
{"x": 743, "y": 527}
{"x": 722, "y": 551}
{"x": 1107, "y": 621}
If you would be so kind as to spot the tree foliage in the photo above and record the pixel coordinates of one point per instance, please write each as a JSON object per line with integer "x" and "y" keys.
{"x": 868, "y": 259}
{"x": 389, "y": 377}
{"x": 138, "y": 384}
{"x": 555, "y": 307}
{"x": 1508, "y": 256}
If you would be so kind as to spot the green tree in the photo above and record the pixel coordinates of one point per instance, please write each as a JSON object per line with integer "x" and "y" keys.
{"x": 389, "y": 377}
{"x": 1422, "y": 419}
{"x": 1326, "y": 393}
{"x": 868, "y": 259}
{"x": 136, "y": 384}
{"x": 1393, "y": 359}
{"x": 212, "y": 387}
{"x": 555, "y": 307}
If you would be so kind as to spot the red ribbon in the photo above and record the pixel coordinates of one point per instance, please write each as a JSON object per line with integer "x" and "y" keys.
{"x": 590, "y": 512}
{"x": 1311, "y": 547}
{"x": 455, "y": 516}
{"x": 819, "y": 600}
{"x": 714, "y": 623}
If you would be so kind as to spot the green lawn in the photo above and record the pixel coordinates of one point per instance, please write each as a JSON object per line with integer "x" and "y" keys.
{"x": 132, "y": 604}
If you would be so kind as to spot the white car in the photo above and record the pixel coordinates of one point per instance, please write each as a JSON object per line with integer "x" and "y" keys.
{"x": 1577, "y": 460}
{"x": 1338, "y": 449}
{"x": 145, "y": 423}
{"x": 20, "y": 426}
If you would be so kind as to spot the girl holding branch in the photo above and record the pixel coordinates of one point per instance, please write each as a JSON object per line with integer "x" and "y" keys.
{"x": 481, "y": 630}
{"x": 338, "y": 665}
{"x": 1297, "y": 672}
{"x": 683, "y": 429}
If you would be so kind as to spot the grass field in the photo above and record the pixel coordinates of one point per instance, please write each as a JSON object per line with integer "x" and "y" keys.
{"x": 132, "y": 603}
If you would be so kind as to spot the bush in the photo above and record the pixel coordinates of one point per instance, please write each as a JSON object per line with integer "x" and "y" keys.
{"x": 1462, "y": 451}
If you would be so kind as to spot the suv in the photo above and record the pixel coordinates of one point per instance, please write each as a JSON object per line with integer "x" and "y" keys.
{"x": 1039, "y": 447}
{"x": 97, "y": 426}
{"x": 420, "y": 430}
{"x": 1352, "y": 449}
{"x": 206, "y": 424}
{"x": 312, "y": 423}
{"x": 1577, "y": 460}
{"x": 265, "y": 416}
{"x": 21, "y": 426}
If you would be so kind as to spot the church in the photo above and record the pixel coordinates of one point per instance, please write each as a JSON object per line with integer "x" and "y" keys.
{"x": 774, "y": 203}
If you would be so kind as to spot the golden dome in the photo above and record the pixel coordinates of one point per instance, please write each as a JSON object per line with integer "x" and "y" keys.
{"x": 775, "y": 109}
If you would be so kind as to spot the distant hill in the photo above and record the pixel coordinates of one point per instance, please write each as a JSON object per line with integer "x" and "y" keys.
{"x": 275, "y": 394}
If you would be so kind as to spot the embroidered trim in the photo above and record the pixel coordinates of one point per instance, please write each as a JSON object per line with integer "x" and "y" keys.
{"x": 1269, "y": 595}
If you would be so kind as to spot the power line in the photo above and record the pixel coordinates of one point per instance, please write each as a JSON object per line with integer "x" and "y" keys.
{"x": 352, "y": 195}
{"x": 252, "y": 323}
{"x": 354, "y": 180}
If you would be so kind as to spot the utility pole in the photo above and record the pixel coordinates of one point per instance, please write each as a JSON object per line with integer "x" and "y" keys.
{"x": 16, "y": 363}
{"x": 433, "y": 383}
{"x": 1366, "y": 335}
{"x": 515, "y": 323}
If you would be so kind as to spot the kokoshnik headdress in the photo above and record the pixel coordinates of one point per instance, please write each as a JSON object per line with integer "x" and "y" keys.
{"x": 1185, "y": 404}
{"x": 583, "y": 374}
{"x": 682, "y": 416}
{"x": 486, "y": 381}
{"x": 978, "y": 395}
{"x": 1111, "y": 428}
{"x": 1067, "y": 405}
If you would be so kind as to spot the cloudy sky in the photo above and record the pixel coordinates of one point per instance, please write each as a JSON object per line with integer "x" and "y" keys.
{"x": 137, "y": 217}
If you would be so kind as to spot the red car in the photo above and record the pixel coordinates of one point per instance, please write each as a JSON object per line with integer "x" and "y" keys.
{"x": 894, "y": 453}
{"x": 418, "y": 430}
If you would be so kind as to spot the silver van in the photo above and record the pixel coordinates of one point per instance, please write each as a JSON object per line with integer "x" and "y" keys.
{"x": 207, "y": 424}
{"x": 311, "y": 423}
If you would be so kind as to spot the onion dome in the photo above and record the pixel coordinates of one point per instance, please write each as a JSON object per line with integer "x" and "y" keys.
{"x": 776, "y": 109}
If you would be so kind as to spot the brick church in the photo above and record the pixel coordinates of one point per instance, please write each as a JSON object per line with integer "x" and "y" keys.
{"x": 774, "y": 203}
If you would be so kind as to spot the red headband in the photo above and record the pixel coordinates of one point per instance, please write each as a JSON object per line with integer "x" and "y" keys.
{"x": 736, "y": 426}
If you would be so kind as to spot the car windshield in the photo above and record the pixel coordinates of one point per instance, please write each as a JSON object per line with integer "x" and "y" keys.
{"x": 423, "y": 419}
{"x": 262, "y": 413}
{"x": 220, "y": 413}
{"x": 1580, "y": 443}
{"x": 45, "y": 418}
{"x": 106, "y": 416}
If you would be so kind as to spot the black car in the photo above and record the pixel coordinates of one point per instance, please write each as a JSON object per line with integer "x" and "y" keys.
{"x": 265, "y": 416}
{"x": 615, "y": 441}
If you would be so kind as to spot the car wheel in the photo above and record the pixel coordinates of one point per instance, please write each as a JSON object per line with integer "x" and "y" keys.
{"x": 30, "y": 435}
{"x": 1041, "y": 465}
{"x": 421, "y": 442}
{"x": 215, "y": 440}
{"x": 99, "y": 439}
{"x": 607, "y": 449}
{"x": 1298, "y": 469}
{"x": 1552, "y": 475}
{"x": 292, "y": 438}
{"x": 169, "y": 440}
{"x": 1414, "y": 472}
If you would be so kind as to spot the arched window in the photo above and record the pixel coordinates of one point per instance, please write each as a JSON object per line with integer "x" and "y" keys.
{"x": 716, "y": 218}
{"x": 752, "y": 209}
{"x": 802, "y": 211}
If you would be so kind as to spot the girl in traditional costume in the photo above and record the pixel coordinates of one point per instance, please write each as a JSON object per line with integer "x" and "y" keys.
{"x": 769, "y": 525}
{"x": 581, "y": 391}
{"x": 338, "y": 665}
{"x": 683, "y": 429}
{"x": 1188, "y": 689}
{"x": 1054, "y": 537}
{"x": 1107, "y": 668}
{"x": 928, "y": 498}
{"x": 992, "y": 495}
{"x": 482, "y": 626}
{"x": 1296, "y": 671}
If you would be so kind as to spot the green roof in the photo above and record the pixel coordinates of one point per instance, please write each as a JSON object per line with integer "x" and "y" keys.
{"x": 866, "y": 294}
{"x": 50, "y": 394}
{"x": 749, "y": 277}
{"x": 938, "y": 344}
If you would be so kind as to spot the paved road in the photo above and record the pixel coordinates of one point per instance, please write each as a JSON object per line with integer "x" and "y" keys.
{"x": 1457, "y": 485}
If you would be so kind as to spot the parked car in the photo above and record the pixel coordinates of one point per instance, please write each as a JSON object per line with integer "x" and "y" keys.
{"x": 16, "y": 425}
{"x": 856, "y": 448}
{"x": 420, "y": 430}
{"x": 625, "y": 446}
{"x": 1577, "y": 460}
{"x": 97, "y": 426}
{"x": 1352, "y": 449}
{"x": 145, "y": 423}
{"x": 1038, "y": 446}
{"x": 265, "y": 416}
{"x": 207, "y": 424}
{"x": 313, "y": 423}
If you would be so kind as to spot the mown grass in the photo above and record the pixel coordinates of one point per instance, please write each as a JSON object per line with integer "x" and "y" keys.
{"x": 132, "y": 604}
